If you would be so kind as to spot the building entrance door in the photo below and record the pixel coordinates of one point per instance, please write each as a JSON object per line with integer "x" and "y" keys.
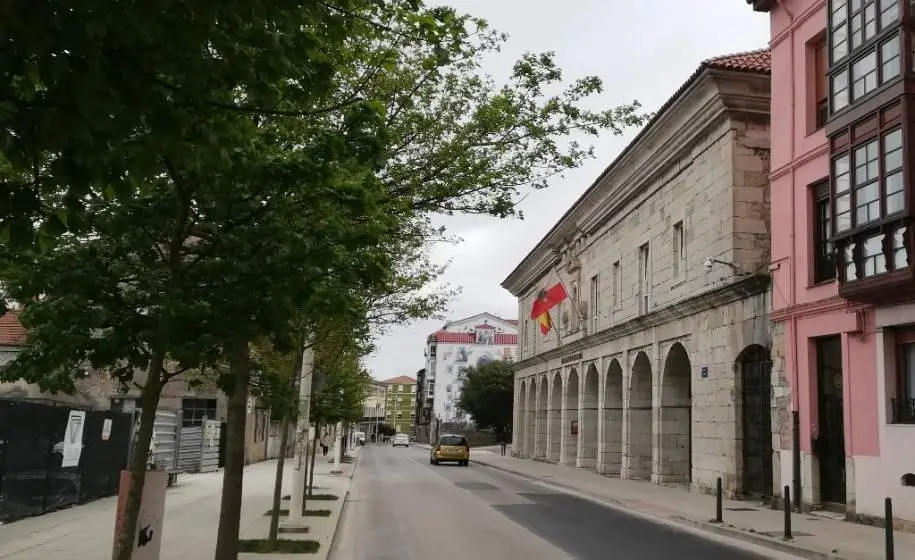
{"x": 829, "y": 444}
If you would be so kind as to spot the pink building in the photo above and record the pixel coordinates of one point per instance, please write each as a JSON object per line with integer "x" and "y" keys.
{"x": 843, "y": 286}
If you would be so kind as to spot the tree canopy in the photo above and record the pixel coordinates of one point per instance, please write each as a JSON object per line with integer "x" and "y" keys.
{"x": 488, "y": 394}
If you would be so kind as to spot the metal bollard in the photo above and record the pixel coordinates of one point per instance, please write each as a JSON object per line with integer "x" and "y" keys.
{"x": 888, "y": 528}
{"x": 787, "y": 501}
{"x": 719, "y": 513}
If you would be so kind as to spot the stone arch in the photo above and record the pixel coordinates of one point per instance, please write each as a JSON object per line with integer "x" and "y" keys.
{"x": 588, "y": 430}
{"x": 530, "y": 431}
{"x": 611, "y": 462}
{"x": 675, "y": 430}
{"x": 543, "y": 395}
{"x": 522, "y": 424}
{"x": 754, "y": 369}
{"x": 639, "y": 453}
{"x": 570, "y": 414}
{"x": 555, "y": 420}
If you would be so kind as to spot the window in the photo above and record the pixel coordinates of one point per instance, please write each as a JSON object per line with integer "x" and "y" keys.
{"x": 679, "y": 249}
{"x": 864, "y": 48}
{"x": 824, "y": 263}
{"x": 617, "y": 285}
{"x": 194, "y": 411}
{"x": 526, "y": 331}
{"x": 868, "y": 196}
{"x": 867, "y": 177}
{"x": 904, "y": 402}
{"x": 820, "y": 79}
{"x": 574, "y": 314}
{"x": 644, "y": 279}
{"x": 595, "y": 302}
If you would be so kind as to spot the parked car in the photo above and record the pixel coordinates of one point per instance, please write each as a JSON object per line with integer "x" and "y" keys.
{"x": 401, "y": 439}
{"x": 451, "y": 448}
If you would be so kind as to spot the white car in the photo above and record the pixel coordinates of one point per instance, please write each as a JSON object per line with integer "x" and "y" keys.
{"x": 401, "y": 439}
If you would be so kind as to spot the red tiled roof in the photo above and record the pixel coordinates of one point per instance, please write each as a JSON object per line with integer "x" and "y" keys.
{"x": 400, "y": 380}
{"x": 447, "y": 337}
{"x": 750, "y": 61}
{"x": 12, "y": 333}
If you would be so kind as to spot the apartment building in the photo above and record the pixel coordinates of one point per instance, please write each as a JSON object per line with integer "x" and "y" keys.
{"x": 844, "y": 292}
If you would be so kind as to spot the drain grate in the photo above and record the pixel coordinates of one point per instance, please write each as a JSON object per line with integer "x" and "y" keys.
{"x": 741, "y": 509}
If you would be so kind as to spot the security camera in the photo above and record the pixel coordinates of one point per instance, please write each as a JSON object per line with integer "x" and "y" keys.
{"x": 708, "y": 264}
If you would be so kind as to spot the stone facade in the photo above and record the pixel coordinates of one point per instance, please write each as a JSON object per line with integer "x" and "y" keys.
{"x": 663, "y": 346}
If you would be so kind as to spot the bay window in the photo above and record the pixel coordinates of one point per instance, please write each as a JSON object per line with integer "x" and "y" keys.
{"x": 868, "y": 196}
{"x": 864, "y": 48}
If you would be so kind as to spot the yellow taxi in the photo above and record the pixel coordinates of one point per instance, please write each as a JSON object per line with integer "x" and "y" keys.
{"x": 451, "y": 448}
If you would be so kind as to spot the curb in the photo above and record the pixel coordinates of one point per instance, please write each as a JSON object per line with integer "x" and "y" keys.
{"x": 332, "y": 546}
{"x": 734, "y": 533}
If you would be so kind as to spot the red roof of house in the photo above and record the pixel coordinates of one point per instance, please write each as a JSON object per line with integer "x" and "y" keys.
{"x": 12, "y": 333}
{"x": 448, "y": 337}
{"x": 750, "y": 61}
{"x": 400, "y": 380}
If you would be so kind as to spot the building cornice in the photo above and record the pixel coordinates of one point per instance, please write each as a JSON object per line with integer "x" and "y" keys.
{"x": 834, "y": 303}
{"x": 714, "y": 94}
{"x": 716, "y": 297}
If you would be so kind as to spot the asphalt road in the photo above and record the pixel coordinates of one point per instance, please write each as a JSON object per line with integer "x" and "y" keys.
{"x": 402, "y": 508}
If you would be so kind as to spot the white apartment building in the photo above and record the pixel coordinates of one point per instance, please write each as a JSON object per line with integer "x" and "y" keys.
{"x": 472, "y": 341}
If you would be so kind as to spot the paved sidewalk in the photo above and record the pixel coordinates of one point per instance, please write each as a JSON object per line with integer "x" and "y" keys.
{"x": 191, "y": 519}
{"x": 815, "y": 536}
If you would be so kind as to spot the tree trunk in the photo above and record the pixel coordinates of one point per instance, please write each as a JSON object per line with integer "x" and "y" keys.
{"x": 234, "y": 470}
{"x": 311, "y": 471}
{"x": 281, "y": 460}
{"x": 278, "y": 488}
{"x": 152, "y": 389}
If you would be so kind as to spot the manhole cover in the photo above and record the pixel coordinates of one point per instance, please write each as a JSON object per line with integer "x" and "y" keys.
{"x": 475, "y": 486}
{"x": 741, "y": 509}
{"x": 782, "y": 533}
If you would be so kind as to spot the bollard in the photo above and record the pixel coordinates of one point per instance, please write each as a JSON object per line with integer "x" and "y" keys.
{"x": 888, "y": 528}
{"x": 719, "y": 517}
{"x": 787, "y": 500}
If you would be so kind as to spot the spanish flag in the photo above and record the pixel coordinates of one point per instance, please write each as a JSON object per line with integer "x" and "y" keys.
{"x": 546, "y": 300}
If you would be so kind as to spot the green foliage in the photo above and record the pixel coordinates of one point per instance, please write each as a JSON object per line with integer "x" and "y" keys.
{"x": 488, "y": 395}
{"x": 386, "y": 429}
{"x": 95, "y": 92}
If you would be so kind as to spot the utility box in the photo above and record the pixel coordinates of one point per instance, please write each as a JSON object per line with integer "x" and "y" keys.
{"x": 148, "y": 538}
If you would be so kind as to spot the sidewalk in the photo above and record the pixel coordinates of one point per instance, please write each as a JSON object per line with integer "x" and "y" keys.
{"x": 815, "y": 536}
{"x": 191, "y": 519}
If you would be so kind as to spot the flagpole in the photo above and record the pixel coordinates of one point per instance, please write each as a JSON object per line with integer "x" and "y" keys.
{"x": 568, "y": 295}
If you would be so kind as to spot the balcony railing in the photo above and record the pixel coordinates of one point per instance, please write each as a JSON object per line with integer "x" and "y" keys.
{"x": 903, "y": 411}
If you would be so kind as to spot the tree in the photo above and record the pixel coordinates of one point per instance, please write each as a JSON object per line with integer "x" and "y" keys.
{"x": 488, "y": 395}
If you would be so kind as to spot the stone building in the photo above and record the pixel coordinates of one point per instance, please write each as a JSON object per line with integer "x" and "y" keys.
{"x": 658, "y": 366}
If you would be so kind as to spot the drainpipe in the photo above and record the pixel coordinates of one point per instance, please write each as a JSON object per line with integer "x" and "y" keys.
{"x": 795, "y": 397}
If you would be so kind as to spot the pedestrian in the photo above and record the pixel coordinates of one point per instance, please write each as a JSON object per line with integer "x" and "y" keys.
{"x": 324, "y": 449}
{"x": 504, "y": 445}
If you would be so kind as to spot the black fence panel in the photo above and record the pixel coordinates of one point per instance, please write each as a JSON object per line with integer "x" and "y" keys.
{"x": 32, "y": 481}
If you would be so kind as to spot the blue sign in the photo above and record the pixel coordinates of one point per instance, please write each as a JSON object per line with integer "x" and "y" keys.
{"x": 704, "y": 371}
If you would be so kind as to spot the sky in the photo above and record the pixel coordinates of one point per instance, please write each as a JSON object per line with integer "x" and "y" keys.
{"x": 642, "y": 50}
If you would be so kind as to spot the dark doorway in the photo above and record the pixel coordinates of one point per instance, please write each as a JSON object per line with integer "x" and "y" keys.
{"x": 829, "y": 444}
{"x": 756, "y": 401}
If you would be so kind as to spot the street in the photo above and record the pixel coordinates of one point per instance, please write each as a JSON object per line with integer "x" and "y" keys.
{"x": 401, "y": 508}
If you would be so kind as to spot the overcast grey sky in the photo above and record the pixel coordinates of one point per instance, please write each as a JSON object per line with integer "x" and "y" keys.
{"x": 642, "y": 50}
